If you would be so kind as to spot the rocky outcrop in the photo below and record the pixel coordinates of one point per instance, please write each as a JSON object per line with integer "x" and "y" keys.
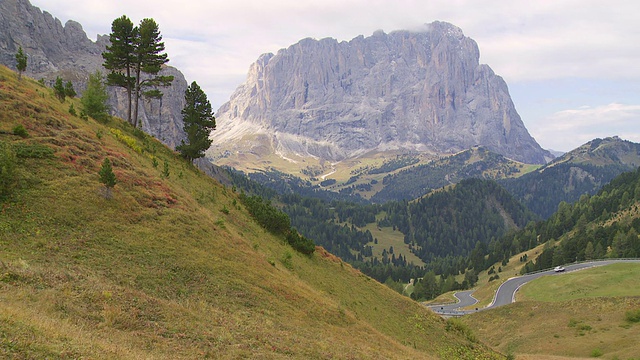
{"x": 56, "y": 50}
{"x": 415, "y": 90}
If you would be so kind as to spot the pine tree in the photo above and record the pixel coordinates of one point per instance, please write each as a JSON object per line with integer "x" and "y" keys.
{"x": 119, "y": 57}
{"x": 135, "y": 51}
{"x": 58, "y": 89}
{"x": 21, "y": 62}
{"x": 198, "y": 123}
{"x": 589, "y": 251}
{"x": 68, "y": 90}
{"x": 107, "y": 177}
{"x": 94, "y": 98}
{"x": 149, "y": 60}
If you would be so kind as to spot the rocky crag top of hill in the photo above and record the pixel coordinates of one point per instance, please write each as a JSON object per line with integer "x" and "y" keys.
{"x": 408, "y": 90}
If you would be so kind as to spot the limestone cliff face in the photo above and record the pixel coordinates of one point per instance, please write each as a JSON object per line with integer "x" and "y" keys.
{"x": 56, "y": 50}
{"x": 416, "y": 90}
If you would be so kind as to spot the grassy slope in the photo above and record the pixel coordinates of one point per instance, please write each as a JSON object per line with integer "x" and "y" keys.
{"x": 566, "y": 316}
{"x": 388, "y": 237}
{"x": 171, "y": 267}
{"x": 612, "y": 280}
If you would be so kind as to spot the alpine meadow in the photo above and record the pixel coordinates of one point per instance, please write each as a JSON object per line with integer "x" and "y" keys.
{"x": 353, "y": 197}
{"x": 171, "y": 265}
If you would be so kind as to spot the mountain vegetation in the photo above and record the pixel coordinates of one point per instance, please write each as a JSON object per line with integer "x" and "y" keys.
{"x": 467, "y": 228}
{"x": 450, "y": 231}
{"x": 448, "y": 226}
{"x": 581, "y": 171}
{"x": 198, "y": 123}
{"x": 603, "y": 225}
{"x": 173, "y": 266}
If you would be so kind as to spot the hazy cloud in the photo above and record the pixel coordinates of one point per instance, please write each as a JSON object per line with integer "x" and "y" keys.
{"x": 568, "y": 129}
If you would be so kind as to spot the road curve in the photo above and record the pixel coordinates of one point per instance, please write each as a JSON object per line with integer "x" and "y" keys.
{"x": 507, "y": 291}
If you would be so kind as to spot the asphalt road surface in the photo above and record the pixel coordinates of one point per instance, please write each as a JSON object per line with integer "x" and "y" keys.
{"x": 507, "y": 291}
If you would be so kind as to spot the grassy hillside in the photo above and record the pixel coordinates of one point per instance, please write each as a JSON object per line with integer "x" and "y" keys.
{"x": 172, "y": 266}
{"x": 589, "y": 313}
{"x": 611, "y": 280}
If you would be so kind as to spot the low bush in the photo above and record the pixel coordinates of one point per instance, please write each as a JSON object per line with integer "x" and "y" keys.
{"x": 19, "y": 130}
{"x": 456, "y": 325}
{"x": 33, "y": 151}
{"x": 633, "y": 316}
{"x": 596, "y": 353}
{"x": 127, "y": 140}
{"x": 8, "y": 175}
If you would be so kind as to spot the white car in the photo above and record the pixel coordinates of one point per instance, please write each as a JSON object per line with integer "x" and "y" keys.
{"x": 558, "y": 269}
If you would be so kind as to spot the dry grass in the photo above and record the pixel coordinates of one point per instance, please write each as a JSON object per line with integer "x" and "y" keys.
{"x": 568, "y": 316}
{"x": 161, "y": 272}
{"x": 575, "y": 328}
{"x": 615, "y": 280}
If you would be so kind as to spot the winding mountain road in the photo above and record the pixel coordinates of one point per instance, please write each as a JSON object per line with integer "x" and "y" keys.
{"x": 506, "y": 293}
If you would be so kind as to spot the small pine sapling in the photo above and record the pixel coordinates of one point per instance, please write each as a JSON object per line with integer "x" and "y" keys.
{"x": 107, "y": 177}
{"x": 21, "y": 62}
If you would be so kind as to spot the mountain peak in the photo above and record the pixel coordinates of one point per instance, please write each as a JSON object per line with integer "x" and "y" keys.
{"x": 413, "y": 90}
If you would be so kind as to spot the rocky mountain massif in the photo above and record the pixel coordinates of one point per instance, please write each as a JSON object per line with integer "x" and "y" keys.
{"x": 408, "y": 90}
{"x": 56, "y": 50}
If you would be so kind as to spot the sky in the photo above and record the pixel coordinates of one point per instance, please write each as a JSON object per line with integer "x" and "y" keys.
{"x": 572, "y": 66}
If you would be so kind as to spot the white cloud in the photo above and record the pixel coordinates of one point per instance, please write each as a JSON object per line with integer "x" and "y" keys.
{"x": 568, "y": 129}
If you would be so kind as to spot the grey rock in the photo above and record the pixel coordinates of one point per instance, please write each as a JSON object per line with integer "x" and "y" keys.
{"x": 415, "y": 90}
{"x": 55, "y": 50}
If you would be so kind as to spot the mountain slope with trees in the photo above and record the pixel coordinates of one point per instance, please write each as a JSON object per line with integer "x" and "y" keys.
{"x": 581, "y": 171}
{"x": 604, "y": 225}
{"x": 416, "y": 181}
{"x": 172, "y": 266}
{"x": 452, "y": 229}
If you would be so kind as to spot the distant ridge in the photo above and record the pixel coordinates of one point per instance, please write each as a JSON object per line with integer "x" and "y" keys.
{"x": 583, "y": 170}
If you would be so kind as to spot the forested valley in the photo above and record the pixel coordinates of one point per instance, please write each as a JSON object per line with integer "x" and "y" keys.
{"x": 460, "y": 230}
{"x": 450, "y": 230}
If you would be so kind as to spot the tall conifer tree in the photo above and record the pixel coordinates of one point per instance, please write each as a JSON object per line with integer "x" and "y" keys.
{"x": 149, "y": 60}
{"x": 198, "y": 123}
{"x": 94, "y": 98}
{"x": 135, "y": 51}
{"x": 120, "y": 59}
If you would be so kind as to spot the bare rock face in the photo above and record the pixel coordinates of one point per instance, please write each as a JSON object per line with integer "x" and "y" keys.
{"x": 415, "y": 90}
{"x": 54, "y": 50}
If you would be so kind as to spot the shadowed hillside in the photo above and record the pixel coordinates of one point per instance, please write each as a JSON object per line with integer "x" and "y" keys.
{"x": 172, "y": 266}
